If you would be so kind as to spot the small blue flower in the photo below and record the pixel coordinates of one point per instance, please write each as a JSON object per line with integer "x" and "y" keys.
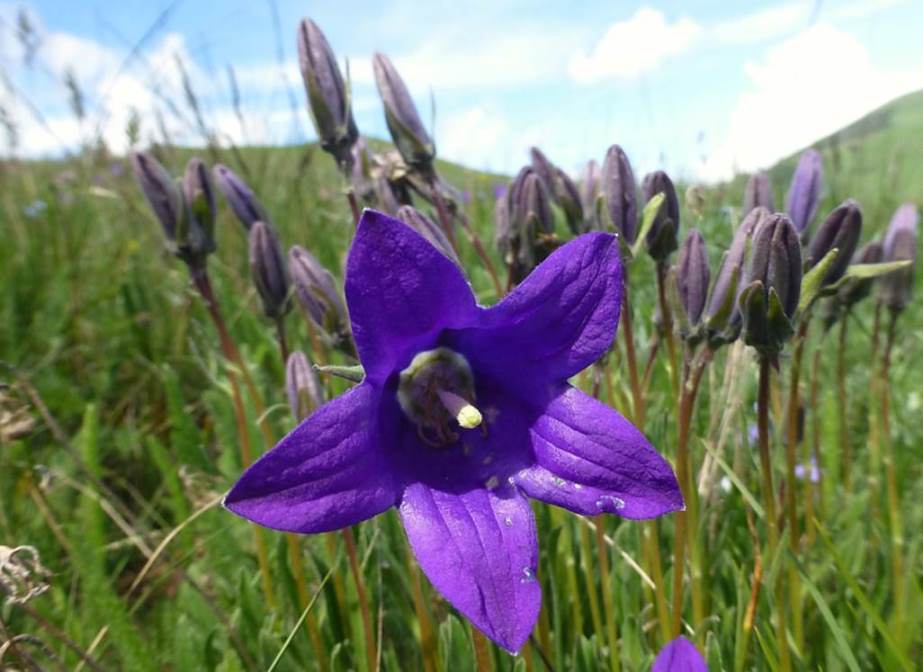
{"x": 35, "y": 209}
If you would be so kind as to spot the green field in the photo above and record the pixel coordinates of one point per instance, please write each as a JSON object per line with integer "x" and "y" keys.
{"x": 118, "y": 436}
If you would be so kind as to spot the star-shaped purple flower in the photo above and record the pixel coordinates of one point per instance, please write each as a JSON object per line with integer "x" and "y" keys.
{"x": 680, "y": 655}
{"x": 463, "y": 413}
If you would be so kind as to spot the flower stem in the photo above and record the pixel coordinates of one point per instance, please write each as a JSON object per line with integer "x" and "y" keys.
{"x": 586, "y": 558}
{"x": 628, "y": 334}
{"x": 481, "y": 651}
{"x": 353, "y": 204}
{"x": 842, "y": 404}
{"x": 874, "y": 420}
{"x": 608, "y": 604}
{"x": 282, "y": 341}
{"x": 894, "y": 511}
{"x": 814, "y": 490}
{"x": 684, "y": 530}
{"x": 361, "y": 593}
{"x": 428, "y": 644}
{"x": 666, "y": 314}
{"x": 769, "y": 504}
{"x": 482, "y": 253}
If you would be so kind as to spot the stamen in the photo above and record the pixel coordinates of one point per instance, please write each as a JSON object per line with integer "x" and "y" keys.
{"x": 461, "y": 409}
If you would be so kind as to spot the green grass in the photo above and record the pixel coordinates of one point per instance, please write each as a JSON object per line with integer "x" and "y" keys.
{"x": 107, "y": 347}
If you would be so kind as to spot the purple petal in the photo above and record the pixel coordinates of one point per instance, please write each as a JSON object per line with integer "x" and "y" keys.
{"x": 563, "y": 317}
{"x": 591, "y": 460}
{"x": 680, "y": 655}
{"x": 330, "y": 472}
{"x": 479, "y": 548}
{"x": 401, "y": 293}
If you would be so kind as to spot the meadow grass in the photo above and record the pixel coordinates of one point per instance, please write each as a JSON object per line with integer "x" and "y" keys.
{"x": 107, "y": 348}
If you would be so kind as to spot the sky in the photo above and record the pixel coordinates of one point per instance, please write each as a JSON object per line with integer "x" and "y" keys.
{"x": 702, "y": 88}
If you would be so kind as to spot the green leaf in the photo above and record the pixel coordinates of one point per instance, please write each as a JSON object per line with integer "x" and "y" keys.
{"x": 861, "y": 271}
{"x": 354, "y": 374}
{"x": 814, "y": 279}
{"x": 647, "y": 221}
{"x": 840, "y": 638}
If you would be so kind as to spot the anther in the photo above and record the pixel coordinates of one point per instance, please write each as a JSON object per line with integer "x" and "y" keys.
{"x": 464, "y": 412}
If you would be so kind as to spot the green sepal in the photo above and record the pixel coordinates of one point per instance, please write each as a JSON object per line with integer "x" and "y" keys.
{"x": 812, "y": 283}
{"x": 354, "y": 374}
{"x": 648, "y": 215}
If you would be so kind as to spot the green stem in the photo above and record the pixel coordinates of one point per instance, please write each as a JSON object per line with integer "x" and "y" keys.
{"x": 353, "y": 556}
{"x": 608, "y": 604}
{"x": 666, "y": 314}
{"x": 842, "y": 404}
{"x": 628, "y": 334}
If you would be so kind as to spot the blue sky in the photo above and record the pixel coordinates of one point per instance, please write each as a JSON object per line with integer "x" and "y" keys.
{"x": 703, "y": 87}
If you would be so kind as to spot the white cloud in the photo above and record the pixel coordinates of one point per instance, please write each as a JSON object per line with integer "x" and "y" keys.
{"x": 634, "y": 47}
{"x": 803, "y": 89}
{"x": 764, "y": 24}
{"x": 474, "y": 136}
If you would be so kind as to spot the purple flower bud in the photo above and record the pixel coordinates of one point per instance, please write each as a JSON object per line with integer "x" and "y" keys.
{"x": 388, "y": 200}
{"x": 661, "y": 240}
{"x": 804, "y": 193}
{"x": 161, "y": 192}
{"x": 567, "y": 196}
{"x": 240, "y": 197}
{"x": 621, "y": 191}
{"x": 841, "y": 230}
{"x": 200, "y": 200}
{"x": 692, "y": 276}
{"x": 776, "y": 261}
{"x": 503, "y": 230}
{"x": 407, "y": 131}
{"x": 680, "y": 655}
{"x": 900, "y": 244}
{"x": 328, "y": 98}
{"x": 427, "y": 228}
{"x": 543, "y": 168}
{"x": 857, "y": 289}
{"x": 302, "y": 386}
{"x": 723, "y": 314}
{"x": 268, "y": 270}
{"x": 533, "y": 206}
{"x": 316, "y": 291}
{"x": 590, "y": 185}
{"x": 758, "y": 192}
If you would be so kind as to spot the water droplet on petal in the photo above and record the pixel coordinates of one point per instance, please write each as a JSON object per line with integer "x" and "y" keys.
{"x": 508, "y": 521}
{"x": 492, "y": 483}
{"x": 527, "y": 574}
{"x": 560, "y": 482}
{"x": 610, "y": 503}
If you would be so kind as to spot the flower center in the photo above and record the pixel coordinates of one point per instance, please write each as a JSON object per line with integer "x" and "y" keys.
{"x": 437, "y": 392}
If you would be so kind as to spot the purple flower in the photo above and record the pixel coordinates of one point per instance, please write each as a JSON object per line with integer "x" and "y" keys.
{"x": 463, "y": 413}
{"x": 680, "y": 655}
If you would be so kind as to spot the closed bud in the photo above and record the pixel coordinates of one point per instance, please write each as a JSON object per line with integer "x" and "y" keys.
{"x": 857, "y": 289}
{"x": 804, "y": 192}
{"x": 590, "y": 185}
{"x": 567, "y": 196}
{"x": 758, "y": 193}
{"x": 161, "y": 192}
{"x": 200, "y": 201}
{"x": 661, "y": 240}
{"x": 407, "y": 131}
{"x": 387, "y": 197}
{"x": 240, "y": 197}
{"x": 621, "y": 192}
{"x": 427, "y": 228}
{"x": 723, "y": 315}
{"x": 533, "y": 205}
{"x": 900, "y": 244}
{"x": 268, "y": 270}
{"x": 692, "y": 276}
{"x": 543, "y": 168}
{"x": 319, "y": 297}
{"x": 302, "y": 385}
{"x": 841, "y": 230}
{"x": 328, "y": 97}
{"x": 770, "y": 298}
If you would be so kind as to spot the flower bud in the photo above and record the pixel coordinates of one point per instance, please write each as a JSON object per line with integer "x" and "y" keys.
{"x": 427, "y": 228}
{"x": 758, "y": 192}
{"x": 841, "y": 230}
{"x": 533, "y": 206}
{"x": 316, "y": 291}
{"x": 401, "y": 115}
{"x": 567, "y": 196}
{"x": 770, "y": 298}
{"x": 161, "y": 192}
{"x": 240, "y": 197}
{"x": 621, "y": 192}
{"x": 268, "y": 269}
{"x": 328, "y": 98}
{"x": 386, "y": 196}
{"x": 543, "y": 168}
{"x": 857, "y": 289}
{"x": 590, "y": 184}
{"x": 661, "y": 240}
{"x": 692, "y": 276}
{"x": 302, "y": 386}
{"x": 900, "y": 244}
{"x": 361, "y": 171}
{"x": 200, "y": 201}
{"x": 804, "y": 193}
{"x": 723, "y": 315}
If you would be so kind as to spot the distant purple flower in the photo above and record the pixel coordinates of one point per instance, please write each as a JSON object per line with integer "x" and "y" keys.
{"x": 804, "y": 192}
{"x": 680, "y": 655}
{"x": 35, "y": 209}
{"x": 499, "y": 190}
{"x": 809, "y": 471}
{"x": 464, "y": 411}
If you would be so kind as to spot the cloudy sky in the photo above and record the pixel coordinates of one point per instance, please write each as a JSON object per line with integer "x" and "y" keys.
{"x": 701, "y": 87}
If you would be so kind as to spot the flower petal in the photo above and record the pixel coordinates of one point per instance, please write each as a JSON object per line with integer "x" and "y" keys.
{"x": 680, "y": 655}
{"x": 591, "y": 460}
{"x": 563, "y": 317}
{"x": 330, "y": 472}
{"x": 401, "y": 293}
{"x": 479, "y": 548}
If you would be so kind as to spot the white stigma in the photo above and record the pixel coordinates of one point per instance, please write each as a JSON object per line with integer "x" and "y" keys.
{"x": 464, "y": 412}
